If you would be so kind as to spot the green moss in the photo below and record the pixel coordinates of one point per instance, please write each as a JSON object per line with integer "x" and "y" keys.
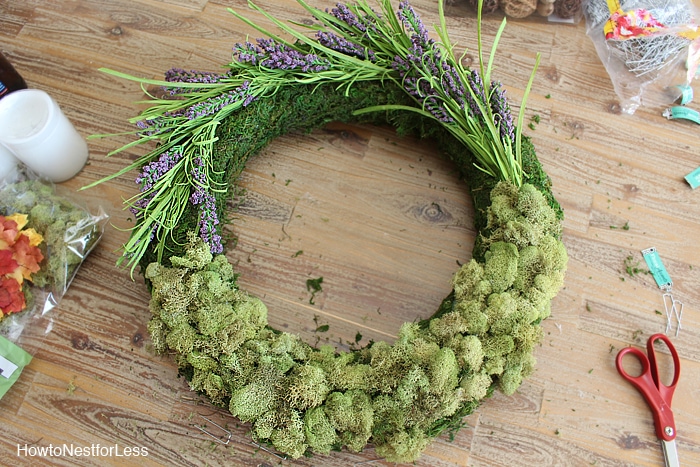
{"x": 501, "y": 266}
{"x": 476, "y": 385}
{"x": 306, "y": 387}
{"x": 352, "y": 416}
{"x": 256, "y": 398}
{"x": 320, "y": 433}
{"x": 403, "y": 445}
{"x": 289, "y": 436}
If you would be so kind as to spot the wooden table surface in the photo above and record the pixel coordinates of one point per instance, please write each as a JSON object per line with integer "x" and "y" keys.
{"x": 384, "y": 220}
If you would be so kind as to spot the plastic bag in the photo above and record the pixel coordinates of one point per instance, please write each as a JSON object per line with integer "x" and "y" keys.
{"x": 646, "y": 46}
{"x": 44, "y": 238}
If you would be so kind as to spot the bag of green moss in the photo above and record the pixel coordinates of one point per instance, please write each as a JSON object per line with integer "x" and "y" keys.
{"x": 44, "y": 238}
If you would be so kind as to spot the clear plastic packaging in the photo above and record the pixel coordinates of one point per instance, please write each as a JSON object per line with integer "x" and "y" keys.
{"x": 646, "y": 47}
{"x": 60, "y": 235}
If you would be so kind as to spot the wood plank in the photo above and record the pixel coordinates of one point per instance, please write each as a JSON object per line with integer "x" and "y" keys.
{"x": 385, "y": 221}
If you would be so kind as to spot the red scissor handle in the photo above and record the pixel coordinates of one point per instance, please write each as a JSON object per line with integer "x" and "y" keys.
{"x": 657, "y": 395}
{"x": 666, "y": 391}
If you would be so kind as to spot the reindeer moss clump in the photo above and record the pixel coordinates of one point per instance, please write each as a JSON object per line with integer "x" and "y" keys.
{"x": 303, "y": 399}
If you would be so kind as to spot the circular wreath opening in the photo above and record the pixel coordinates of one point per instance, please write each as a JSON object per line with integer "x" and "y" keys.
{"x": 299, "y": 398}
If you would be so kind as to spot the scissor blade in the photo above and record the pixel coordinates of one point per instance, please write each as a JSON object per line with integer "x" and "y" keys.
{"x": 670, "y": 453}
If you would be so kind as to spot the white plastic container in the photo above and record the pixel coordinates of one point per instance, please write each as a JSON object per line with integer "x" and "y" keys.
{"x": 8, "y": 163}
{"x": 33, "y": 127}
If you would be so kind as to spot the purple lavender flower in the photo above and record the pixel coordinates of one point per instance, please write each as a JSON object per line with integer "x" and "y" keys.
{"x": 248, "y": 52}
{"x": 150, "y": 174}
{"x": 153, "y": 171}
{"x": 178, "y": 75}
{"x": 363, "y": 23}
{"x": 424, "y": 59}
{"x": 208, "y": 219}
{"x": 270, "y": 54}
{"x": 157, "y": 125}
{"x": 501, "y": 112}
{"x": 214, "y": 104}
{"x": 150, "y": 126}
{"x": 344, "y": 14}
{"x": 412, "y": 22}
{"x": 452, "y": 84}
{"x": 340, "y": 44}
{"x": 355, "y": 26}
{"x": 477, "y": 86}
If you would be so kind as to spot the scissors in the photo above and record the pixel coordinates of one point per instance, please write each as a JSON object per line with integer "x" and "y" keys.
{"x": 657, "y": 394}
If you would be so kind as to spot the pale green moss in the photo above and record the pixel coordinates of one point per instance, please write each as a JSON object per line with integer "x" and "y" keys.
{"x": 256, "y": 398}
{"x": 403, "y": 446}
{"x": 501, "y": 266}
{"x": 289, "y": 436}
{"x": 398, "y": 396}
{"x": 352, "y": 416}
{"x": 307, "y": 387}
{"x": 320, "y": 433}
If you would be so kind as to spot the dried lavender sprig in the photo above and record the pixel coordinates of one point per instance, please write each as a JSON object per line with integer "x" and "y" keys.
{"x": 340, "y": 44}
{"x": 273, "y": 55}
{"x": 179, "y": 75}
{"x": 501, "y": 111}
{"x": 215, "y": 104}
{"x": 150, "y": 174}
{"x": 202, "y": 198}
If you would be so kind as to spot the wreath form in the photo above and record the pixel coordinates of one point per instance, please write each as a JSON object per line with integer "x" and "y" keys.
{"x": 400, "y": 396}
{"x": 302, "y": 399}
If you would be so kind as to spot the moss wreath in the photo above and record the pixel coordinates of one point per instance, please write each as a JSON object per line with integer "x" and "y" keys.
{"x": 362, "y": 67}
